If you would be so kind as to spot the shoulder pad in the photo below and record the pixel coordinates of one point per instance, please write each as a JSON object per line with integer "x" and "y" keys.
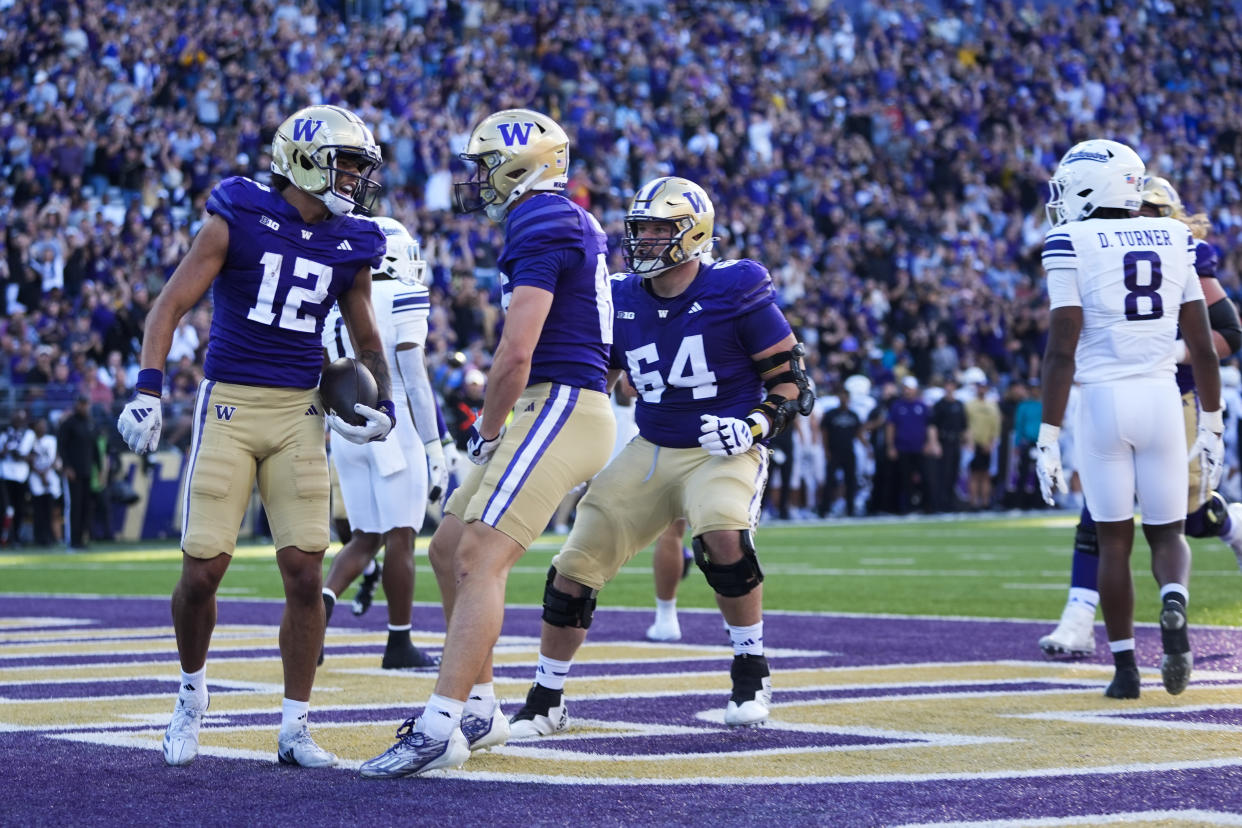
{"x": 1206, "y": 261}
{"x": 742, "y": 284}
{"x": 234, "y": 196}
{"x": 541, "y": 224}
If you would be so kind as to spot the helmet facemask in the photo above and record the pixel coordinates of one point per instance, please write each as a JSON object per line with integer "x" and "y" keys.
{"x": 649, "y": 253}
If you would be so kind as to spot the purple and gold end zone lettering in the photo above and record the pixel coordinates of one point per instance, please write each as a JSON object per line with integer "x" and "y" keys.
{"x": 875, "y": 721}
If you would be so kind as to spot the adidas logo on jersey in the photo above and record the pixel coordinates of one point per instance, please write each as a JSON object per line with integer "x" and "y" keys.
{"x": 695, "y": 308}
{"x": 345, "y": 245}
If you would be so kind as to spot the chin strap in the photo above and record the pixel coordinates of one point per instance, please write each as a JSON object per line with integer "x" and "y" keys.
{"x": 497, "y": 212}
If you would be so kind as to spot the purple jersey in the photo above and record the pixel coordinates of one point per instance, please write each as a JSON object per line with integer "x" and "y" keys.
{"x": 692, "y": 354}
{"x": 553, "y": 244}
{"x": 1205, "y": 265}
{"x": 279, "y": 279}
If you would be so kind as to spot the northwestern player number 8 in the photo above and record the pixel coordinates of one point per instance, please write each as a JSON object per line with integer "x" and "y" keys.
{"x": 1130, "y": 267}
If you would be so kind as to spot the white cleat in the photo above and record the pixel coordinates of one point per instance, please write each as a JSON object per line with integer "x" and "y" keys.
{"x": 1074, "y": 635}
{"x": 667, "y": 630}
{"x": 415, "y": 752}
{"x": 484, "y": 732}
{"x": 751, "y": 701}
{"x": 544, "y": 713}
{"x": 299, "y": 749}
{"x": 1235, "y": 536}
{"x": 181, "y": 737}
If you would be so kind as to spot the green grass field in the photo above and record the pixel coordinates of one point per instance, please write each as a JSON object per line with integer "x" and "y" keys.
{"x": 1006, "y": 568}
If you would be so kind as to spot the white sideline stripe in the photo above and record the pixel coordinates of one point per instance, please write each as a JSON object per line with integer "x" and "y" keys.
{"x": 1195, "y": 815}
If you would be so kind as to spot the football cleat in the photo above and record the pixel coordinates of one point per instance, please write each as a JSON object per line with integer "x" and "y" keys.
{"x": 181, "y": 737}
{"x": 407, "y": 657}
{"x": 366, "y": 590}
{"x": 298, "y": 748}
{"x": 1177, "y": 661}
{"x": 1235, "y": 538}
{"x": 1125, "y": 684}
{"x": 1074, "y": 634}
{"x": 415, "y": 752}
{"x": 667, "y": 630}
{"x": 483, "y": 732}
{"x": 544, "y": 713}
{"x": 751, "y": 700}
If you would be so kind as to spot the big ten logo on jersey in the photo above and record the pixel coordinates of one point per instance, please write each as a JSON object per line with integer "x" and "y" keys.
{"x": 225, "y": 412}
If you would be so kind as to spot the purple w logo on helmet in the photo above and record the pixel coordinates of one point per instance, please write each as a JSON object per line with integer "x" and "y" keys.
{"x": 515, "y": 132}
{"x": 304, "y": 129}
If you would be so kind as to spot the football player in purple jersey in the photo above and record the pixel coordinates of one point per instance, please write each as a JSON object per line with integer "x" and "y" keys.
{"x": 549, "y": 371}
{"x": 700, "y": 341}
{"x": 275, "y": 259}
{"x": 1207, "y": 513}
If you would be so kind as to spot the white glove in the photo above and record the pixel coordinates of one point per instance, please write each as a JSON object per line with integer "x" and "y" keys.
{"x": 437, "y": 471}
{"x": 141, "y": 422}
{"x": 724, "y": 436}
{"x": 1048, "y": 463}
{"x": 452, "y": 457}
{"x": 379, "y": 421}
{"x": 478, "y": 450}
{"x": 1209, "y": 447}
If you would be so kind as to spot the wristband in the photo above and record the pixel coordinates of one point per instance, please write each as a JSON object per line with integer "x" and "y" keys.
{"x": 1048, "y": 434}
{"x": 1213, "y": 421}
{"x": 388, "y": 408}
{"x": 151, "y": 381}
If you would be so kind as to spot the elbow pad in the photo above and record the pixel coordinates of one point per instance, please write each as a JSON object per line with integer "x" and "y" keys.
{"x": 1223, "y": 317}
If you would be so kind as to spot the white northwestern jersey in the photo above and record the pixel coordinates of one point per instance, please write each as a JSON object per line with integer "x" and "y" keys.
{"x": 401, "y": 313}
{"x": 1131, "y": 278}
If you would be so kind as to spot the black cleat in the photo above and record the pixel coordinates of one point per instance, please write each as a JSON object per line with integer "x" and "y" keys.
{"x": 751, "y": 700}
{"x": 544, "y": 714}
{"x": 1177, "y": 661}
{"x": 1125, "y": 684}
{"x": 407, "y": 657}
{"x": 366, "y": 590}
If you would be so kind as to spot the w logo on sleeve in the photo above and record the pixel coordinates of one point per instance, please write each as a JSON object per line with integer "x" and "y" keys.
{"x": 515, "y": 133}
{"x": 304, "y": 129}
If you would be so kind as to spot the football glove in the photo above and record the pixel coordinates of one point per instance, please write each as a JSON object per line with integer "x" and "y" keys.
{"x": 437, "y": 471}
{"x": 452, "y": 458}
{"x": 141, "y": 422}
{"x": 1048, "y": 463}
{"x": 1209, "y": 447}
{"x": 379, "y": 421}
{"x": 478, "y": 450}
{"x": 724, "y": 436}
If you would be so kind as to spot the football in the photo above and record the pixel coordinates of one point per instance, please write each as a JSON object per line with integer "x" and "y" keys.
{"x": 344, "y": 383}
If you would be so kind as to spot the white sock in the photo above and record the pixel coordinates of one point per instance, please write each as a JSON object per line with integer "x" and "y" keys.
{"x": 370, "y": 570}
{"x": 1087, "y": 597}
{"x": 551, "y": 673}
{"x": 747, "y": 640}
{"x": 1121, "y": 646}
{"x": 441, "y": 717}
{"x": 666, "y": 610}
{"x": 293, "y": 716}
{"x": 481, "y": 701}
{"x": 194, "y": 687}
{"x": 1178, "y": 588}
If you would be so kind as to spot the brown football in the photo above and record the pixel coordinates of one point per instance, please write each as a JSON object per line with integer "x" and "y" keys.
{"x": 344, "y": 383}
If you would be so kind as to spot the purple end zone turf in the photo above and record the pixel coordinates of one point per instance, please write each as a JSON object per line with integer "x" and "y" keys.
{"x": 55, "y": 782}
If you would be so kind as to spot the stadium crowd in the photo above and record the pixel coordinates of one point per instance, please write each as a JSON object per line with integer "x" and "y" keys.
{"x": 887, "y": 158}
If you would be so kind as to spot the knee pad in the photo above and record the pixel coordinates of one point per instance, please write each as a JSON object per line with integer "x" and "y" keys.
{"x": 730, "y": 580}
{"x": 1208, "y": 521}
{"x": 560, "y": 609}
{"x": 1085, "y": 540}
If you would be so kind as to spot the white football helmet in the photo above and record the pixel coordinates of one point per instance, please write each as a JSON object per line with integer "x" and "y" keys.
{"x": 309, "y": 146}
{"x": 403, "y": 258}
{"x": 1093, "y": 174}
{"x": 514, "y": 151}
{"x": 683, "y": 219}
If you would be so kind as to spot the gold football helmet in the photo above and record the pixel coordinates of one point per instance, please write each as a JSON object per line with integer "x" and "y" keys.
{"x": 670, "y": 222}
{"x": 514, "y": 151}
{"x": 1160, "y": 195}
{"x": 309, "y": 149}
